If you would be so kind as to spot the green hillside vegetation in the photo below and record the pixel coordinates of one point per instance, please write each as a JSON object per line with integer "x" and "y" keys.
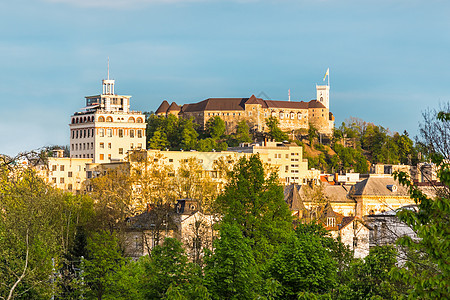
{"x": 354, "y": 146}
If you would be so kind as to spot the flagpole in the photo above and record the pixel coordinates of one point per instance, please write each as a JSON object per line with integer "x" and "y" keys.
{"x": 328, "y": 78}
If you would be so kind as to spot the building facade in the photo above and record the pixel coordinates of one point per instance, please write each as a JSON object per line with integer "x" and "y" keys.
{"x": 292, "y": 115}
{"x": 106, "y": 128}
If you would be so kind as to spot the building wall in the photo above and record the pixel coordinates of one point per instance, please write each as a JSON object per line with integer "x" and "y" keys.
{"x": 65, "y": 173}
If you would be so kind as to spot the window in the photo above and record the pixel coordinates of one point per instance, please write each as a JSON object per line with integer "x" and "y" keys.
{"x": 281, "y": 115}
{"x": 139, "y": 145}
{"x": 109, "y": 119}
{"x": 120, "y": 150}
{"x": 131, "y": 146}
{"x": 109, "y": 156}
{"x": 286, "y": 168}
{"x": 92, "y": 132}
{"x": 299, "y": 116}
{"x": 139, "y": 133}
{"x": 292, "y": 115}
{"x": 294, "y": 166}
{"x": 331, "y": 222}
{"x": 102, "y": 145}
{"x": 92, "y": 145}
{"x": 61, "y": 168}
{"x": 54, "y": 180}
{"x": 102, "y": 156}
{"x": 120, "y": 133}
{"x": 84, "y": 133}
{"x": 131, "y": 120}
{"x": 69, "y": 174}
{"x": 69, "y": 186}
{"x": 101, "y": 132}
{"x": 101, "y": 119}
{"x": 61, "y": 180}
{"x": 170, "y": 159}
{"x": 132, "y": 133}
{"x": 139, "y": 120}
{"x": 76, "y": 134}
{"x": 287, "y": 155}
{"x": 73, "y": 134}
{"x": 109, "y": 145}
{"x": 109, "y": 132}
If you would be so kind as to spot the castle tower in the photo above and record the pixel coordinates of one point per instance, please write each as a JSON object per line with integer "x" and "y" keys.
{"x": 323, "y": 95}
{"x": 106, "y": 128}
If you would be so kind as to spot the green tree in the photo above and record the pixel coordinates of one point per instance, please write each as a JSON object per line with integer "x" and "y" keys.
{"x": 188, "y": 134}
{"x": 215, "y": 127}
{"x": 275, "y": 132}
{"x": 243, "y": 132}
{"x": 371, "y": 278}
{"x": 427, "y": 268}
{"x": 158, "y": 141}
{"x": 37, "y": 224}
{"x": 303, "y": 264}
{"x": 169, "y": 275}
{"x": 101, "y": 267}
{"x": 254, "y": 200}
{"x": 231, "y": 271}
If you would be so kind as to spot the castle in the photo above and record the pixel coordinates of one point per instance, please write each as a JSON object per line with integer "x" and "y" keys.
{"x": 291, "y": 115}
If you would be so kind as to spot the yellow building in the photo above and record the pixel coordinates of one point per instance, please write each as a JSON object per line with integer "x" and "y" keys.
{"x": 292, "y": 115}
{"x": 65, "y": 173}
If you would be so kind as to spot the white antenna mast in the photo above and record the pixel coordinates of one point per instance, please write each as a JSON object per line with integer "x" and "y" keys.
{"x": 108, "y": 67}
{"x": 289, "y": 93}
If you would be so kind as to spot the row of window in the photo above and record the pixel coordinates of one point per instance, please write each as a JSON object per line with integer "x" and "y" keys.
{"x": 130, "y": 119}
{"x": 87, "y": 133}
{"x": 83, "y": 146}
{"x": 85, "y": 119}
{"x": 84, "y": 155}
{"x": 121, "y": 133}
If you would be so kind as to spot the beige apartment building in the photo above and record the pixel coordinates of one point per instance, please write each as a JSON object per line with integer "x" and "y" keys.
{"x": 64, "y": 173}
{"x": 106, "y": 128}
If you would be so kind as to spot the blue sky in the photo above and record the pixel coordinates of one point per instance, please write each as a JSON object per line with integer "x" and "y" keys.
{"x": 388, "y": 60}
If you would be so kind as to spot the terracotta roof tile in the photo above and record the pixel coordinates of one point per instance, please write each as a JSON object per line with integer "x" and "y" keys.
{"x": 174, "y": 107}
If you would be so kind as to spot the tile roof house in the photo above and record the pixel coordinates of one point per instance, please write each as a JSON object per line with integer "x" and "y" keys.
{"x": 183, "y": 221}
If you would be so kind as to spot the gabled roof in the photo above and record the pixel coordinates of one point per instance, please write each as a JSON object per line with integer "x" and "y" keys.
{"x": 315, "y": 104}
{"x": 379, "y": 186}
{"x": 336, "y": 193}
{"x": 162, "y": 108}
{"x": 174, "y": 107}
{"x": 292, "y": 198}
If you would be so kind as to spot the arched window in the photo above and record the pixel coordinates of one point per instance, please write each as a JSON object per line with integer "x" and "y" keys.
{"x": 139, "y": 120}
{"x": 101, "y": 119}
{"x": 299, "y": 116}
{"x": 281, "y": 115}
{"x": 292, "y": 115}
{"x": 131, "y": 120}
{"x": 274, "y": 114}
{"x": 73, "y": 120}
{"x": 84, "y": 120}
{"x": 76, "y": 120}
{"x": 109, "y": 119}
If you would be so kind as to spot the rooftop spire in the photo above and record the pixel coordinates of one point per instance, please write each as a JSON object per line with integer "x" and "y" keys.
{"x": 108, "y": 67}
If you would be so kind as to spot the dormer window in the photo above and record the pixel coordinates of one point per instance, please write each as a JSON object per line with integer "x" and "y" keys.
{"x": 331, "y": 222}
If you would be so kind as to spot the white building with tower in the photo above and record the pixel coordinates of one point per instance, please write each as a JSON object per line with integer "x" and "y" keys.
{"x": 106, "y": 128}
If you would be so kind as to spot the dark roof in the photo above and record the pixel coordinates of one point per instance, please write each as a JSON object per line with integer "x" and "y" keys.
{"x": 163, "y": 107}
{"x": 286, "y": 104}
{"x": 216, "y": 104}
{"x": 174, "y": 107}
{"x": 346, "y": 220}
{"x": 254, "y": 100}
{"x": 292, "y": 197}
{"x": 315, "y": 104}
{"x": 336, "y": 193}
{"x": 379, "y": 186}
